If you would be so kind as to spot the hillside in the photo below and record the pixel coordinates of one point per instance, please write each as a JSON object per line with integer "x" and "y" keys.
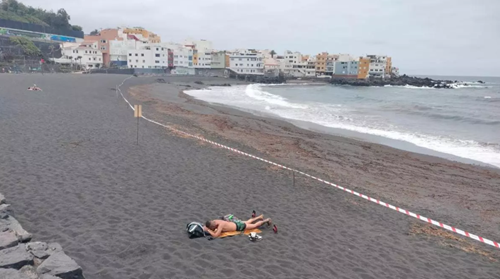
{"x": 25, "y": 18}
{"x": 17, "y": 11}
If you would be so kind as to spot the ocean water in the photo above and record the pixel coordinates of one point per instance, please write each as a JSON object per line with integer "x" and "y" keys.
{"x": 463, "y": 122}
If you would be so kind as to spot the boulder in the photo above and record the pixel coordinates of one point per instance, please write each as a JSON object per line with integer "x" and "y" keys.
{"x": 10, "y": 223}
{"x": 29, "y": 271}
{"x": 59, "y": 264}
{"x": 9, "y": 273}
{"x": 8, "y": 239}
{"x": 38, "y": 249}
{"x": 2, "y": 199}
{"x": 15, "y": 257}
{"x": 4, "y": 211}
{"x": 54, "y": 247}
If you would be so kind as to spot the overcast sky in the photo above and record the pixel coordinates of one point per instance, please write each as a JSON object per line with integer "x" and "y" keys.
{"x": 432, "y": 37}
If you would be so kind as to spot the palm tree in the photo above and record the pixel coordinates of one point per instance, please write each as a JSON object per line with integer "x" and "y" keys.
{"x": 272, "y": 53}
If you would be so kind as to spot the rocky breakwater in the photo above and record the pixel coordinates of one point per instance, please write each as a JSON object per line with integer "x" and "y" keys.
{"x": 22, "y": 259}
{"x": 403, "y": 80}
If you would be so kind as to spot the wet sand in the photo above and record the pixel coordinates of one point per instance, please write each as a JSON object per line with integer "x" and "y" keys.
{"x": 74, "y": 175}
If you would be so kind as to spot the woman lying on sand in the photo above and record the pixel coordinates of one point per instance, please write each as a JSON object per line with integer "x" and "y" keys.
{"x": 216, "y": 227}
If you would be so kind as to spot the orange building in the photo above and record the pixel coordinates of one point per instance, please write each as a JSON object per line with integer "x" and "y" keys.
{"x": 147, "y": 35}
{"x": 227, "y": 60}
{"x": 363, "y": 67}
{"x": 102, "y": 40}
{"x": 321, "y": 63}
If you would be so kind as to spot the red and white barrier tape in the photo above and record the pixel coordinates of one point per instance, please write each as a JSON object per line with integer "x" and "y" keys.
{"x": 400, "y": 210}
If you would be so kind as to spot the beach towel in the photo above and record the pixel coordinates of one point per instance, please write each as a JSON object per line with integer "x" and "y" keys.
{"x": 245, "y": 232}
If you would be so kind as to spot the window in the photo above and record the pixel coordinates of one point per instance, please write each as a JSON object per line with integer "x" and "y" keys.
{"x": 136, "y": 60}
{"x": 143, "y": 61}
{"x": 130, "y": 60}
{"x": 99, "y": 59}
{"x": 156, "y": 48}
{"x": 142, "y": 54}
{"x": 130, "y": 54}
{"x": 90, "y": 59}
{"x": 85, "y": 51}
{"x": 136, "y": 54}
{"x": 157, "y": 55}
{"x": 157, "y": 62}
{"x": 143, "y": 67}
{"x": 94, "y": 58}
{"x": 103, "y": 41}
{"x": 103, "y": 48}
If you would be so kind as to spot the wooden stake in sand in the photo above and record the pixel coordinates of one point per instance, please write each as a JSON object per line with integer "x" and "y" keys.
{"x": 138, "y": 115}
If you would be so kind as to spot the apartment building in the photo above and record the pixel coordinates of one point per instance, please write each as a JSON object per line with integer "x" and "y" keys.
{"x": 346, "y": 69}
{"x": 152, "y": 56}
{"x": 85, "y": 54}
{"x": 103, "y": 41}
{"x": 219, "y": 60}
{"x": 321, "y": 60}
{"x": 380, "y": 66}
{"x": 363, "y": 67}
{"x": 247, "y": 62}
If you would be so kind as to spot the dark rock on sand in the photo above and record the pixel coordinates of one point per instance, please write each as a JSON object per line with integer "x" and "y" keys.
{"x": 15, "y": 257}
{"x": 480, "y": 81}
{"x": 223, "y": 84}
{"x": 9, "y": 273}
{"x": 59, "y": 264}
{"x": 38, "y": 249}
{"x": 198, "y": 82}
{"x": 10, "y": 223}
{"x": 48, "y": 276}
{"x": 394, "y": 81}
{"x": 2, "y": 199}
{"x": 8, "y": 239}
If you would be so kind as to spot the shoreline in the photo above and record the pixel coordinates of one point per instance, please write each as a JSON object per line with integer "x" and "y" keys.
{"x": 421, "y": 182}
{"x": 352, "y": 134}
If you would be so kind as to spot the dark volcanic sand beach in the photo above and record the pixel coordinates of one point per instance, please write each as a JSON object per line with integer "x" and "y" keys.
{"x": 73, "y": 174}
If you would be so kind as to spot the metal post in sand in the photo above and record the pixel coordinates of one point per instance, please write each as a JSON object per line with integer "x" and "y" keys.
{"x": 137, "y": 114}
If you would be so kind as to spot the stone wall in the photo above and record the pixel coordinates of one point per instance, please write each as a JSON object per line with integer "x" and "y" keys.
{"x": 20, "y": 258}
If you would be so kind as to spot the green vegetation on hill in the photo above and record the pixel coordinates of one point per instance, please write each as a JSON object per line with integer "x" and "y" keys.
{"x": 14, "y": 10}
{"x": 28, "y": 47}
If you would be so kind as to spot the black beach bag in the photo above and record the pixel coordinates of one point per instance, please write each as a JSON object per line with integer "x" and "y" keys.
{"x": 195, "y": 229}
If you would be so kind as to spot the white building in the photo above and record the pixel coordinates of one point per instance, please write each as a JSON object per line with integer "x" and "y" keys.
{"x": 85, "y": 54}
{"x": 271, "y": 63}
{"x": 246, "y": 62}
{"x": 295, "y": 64}
{"x": 204, "y": 60}
{"x": 378, "y": 65}
{"x": 201, "y": 45}
{"x": 118, "y": 51}
{"x": 148, "y": 56}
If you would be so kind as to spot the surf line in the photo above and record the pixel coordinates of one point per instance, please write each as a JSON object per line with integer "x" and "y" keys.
{"x": 379, "y": 202}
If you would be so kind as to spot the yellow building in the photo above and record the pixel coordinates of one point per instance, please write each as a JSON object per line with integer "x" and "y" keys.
{"x": 388, "y": 66}
{"x": 363, "y": 67}
{"x": 195, "y": 57}
{"x": 147, "y": 35}
{"x": 321, "y": 63}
